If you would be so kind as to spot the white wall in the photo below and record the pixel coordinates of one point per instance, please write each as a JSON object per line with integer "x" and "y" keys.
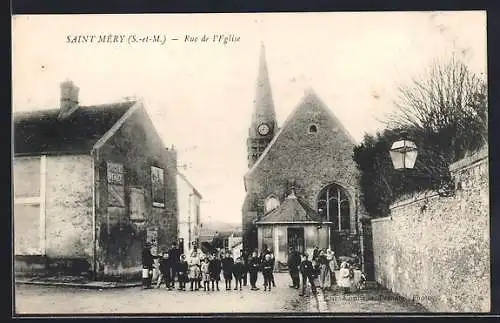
{"x": 188, "y": 202}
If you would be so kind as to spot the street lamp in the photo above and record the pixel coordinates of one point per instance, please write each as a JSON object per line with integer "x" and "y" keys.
{"x": 403, "y": 154}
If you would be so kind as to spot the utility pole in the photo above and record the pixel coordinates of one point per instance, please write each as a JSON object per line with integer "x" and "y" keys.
{"x": 189, "y": 219}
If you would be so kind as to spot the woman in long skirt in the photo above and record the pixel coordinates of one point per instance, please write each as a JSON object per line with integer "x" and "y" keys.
{"x": 332, "y": 262}
{"x": 325, "y": 275}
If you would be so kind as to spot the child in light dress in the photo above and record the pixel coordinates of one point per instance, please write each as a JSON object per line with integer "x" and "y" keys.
{"x": 205, "y": 274}
{"x": 194, "y": 270}
{"x": 344, "y": 280}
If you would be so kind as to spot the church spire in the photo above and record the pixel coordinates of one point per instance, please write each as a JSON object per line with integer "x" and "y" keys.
{"x": 263, "y": 108}
{"x": 263, "y": 124}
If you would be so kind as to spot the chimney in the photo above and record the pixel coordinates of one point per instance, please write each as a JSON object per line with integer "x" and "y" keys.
{"x": 69, "y": 99}
{"x": 172, "y": 157}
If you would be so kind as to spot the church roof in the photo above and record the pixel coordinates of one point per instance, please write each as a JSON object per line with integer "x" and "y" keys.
{"x": 292, "y": 210}
{"x": 309, "y": 98}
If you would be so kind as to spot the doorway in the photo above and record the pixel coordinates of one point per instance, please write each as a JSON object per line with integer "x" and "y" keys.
{"x": 295, "y": 238}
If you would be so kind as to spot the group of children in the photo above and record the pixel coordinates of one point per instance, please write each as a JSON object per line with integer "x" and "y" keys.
{"x": 200, "y": 271}
{"x": 321, "y": 268}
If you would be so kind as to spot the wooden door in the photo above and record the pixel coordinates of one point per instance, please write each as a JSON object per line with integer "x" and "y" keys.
{"x": 296, "y": 238}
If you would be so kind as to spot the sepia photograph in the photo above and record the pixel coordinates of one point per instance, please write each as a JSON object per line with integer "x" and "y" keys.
{"x": 219, "y": 163}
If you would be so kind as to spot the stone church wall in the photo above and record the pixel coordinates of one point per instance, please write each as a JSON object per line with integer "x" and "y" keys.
{"x": 311, "y": 160}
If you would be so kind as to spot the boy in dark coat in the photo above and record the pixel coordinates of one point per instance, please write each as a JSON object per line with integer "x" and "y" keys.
{"x": 244, "y": 261}
{"x": 182, "y": 272}
{"x": 147, "y": 266}
{"x": 253, "y": 268}
{"x": 238, "y": 271}
{"x": 227, "y": 268}
{"x": 307, "y": 271}
{"x": 174, "y": 255}
{"x": 165, "y": 271}
{"x": 267, "y": 271}
{"x": 214, "y": 268}
{"x": 265, "y": 251}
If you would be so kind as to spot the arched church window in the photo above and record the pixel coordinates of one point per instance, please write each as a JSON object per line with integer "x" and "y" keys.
{"x": 313, "y": 128}
{"x": 333, "y": 206}
{"x": 271, "y": 203}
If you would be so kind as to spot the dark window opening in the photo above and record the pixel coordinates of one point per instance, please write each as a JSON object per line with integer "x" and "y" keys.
{"x": 333, "y": 206}
{"x": 313, "y": 129}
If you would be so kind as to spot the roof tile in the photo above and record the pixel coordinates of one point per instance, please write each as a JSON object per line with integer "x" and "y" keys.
{"x": 292, "y": 210}
{"x": 40, "y": 132}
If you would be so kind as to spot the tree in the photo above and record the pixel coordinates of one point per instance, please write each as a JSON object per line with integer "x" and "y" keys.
{"x": 444, "y": 112}
{"x": 446, "y": 107}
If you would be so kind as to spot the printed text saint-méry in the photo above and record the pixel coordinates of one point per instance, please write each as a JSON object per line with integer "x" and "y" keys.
{"x": 105, "y": 38}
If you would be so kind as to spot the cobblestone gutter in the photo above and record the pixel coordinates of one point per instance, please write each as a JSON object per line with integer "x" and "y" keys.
{"x": 73, "y": 281}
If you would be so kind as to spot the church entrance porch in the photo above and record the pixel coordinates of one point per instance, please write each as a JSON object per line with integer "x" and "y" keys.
{"x": 278, "y": 237}
{"x": 292, "y": 224}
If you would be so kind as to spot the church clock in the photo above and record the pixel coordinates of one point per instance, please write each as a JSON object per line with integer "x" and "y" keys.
{"x": 263, "y": 129}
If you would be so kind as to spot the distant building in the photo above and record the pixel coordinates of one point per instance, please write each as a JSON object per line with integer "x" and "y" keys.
{"x": 189, "y": 225}
{"x": 207, "y": 240}
{"x": 235, "y": 244}
{"x": 91, "y": 185}
{"x": 223, "y": 240}
{"x": 302, "y": 184}
{"x": 234, "y": 239}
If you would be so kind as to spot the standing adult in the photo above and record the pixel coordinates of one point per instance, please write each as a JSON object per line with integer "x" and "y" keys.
{"x": 293, "y": 264}
{"x": 253, "y": 269}
{"x": 147, "y": 266}
{"x": 332, "y": 262}
{"x": 325, "y": 277}
{"x": 175, "y": 258}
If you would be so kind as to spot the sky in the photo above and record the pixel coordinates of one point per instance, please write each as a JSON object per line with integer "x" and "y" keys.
{"x": 199, "y": 94}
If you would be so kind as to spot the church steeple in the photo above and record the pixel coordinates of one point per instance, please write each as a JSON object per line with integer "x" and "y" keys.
{"x": 263, "y": 124}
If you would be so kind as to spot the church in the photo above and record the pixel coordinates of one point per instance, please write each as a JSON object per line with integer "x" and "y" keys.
{"x": 302, "y": 185}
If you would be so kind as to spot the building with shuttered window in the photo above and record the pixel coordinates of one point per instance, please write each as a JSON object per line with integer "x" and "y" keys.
{"x": 91, "y": 185}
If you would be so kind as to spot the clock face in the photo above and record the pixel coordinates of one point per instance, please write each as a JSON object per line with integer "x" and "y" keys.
{"x": 263, "y": 129}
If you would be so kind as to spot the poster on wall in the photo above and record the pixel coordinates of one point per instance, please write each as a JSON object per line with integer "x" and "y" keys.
{"x": 157, "y": 181}
{"x": 137, "y": 204}
{"x": 115, "y": 173}
{"x": 116, "y": 192}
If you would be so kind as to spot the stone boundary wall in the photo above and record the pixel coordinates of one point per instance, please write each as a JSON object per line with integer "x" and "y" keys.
{"x": 436, "y": 250}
